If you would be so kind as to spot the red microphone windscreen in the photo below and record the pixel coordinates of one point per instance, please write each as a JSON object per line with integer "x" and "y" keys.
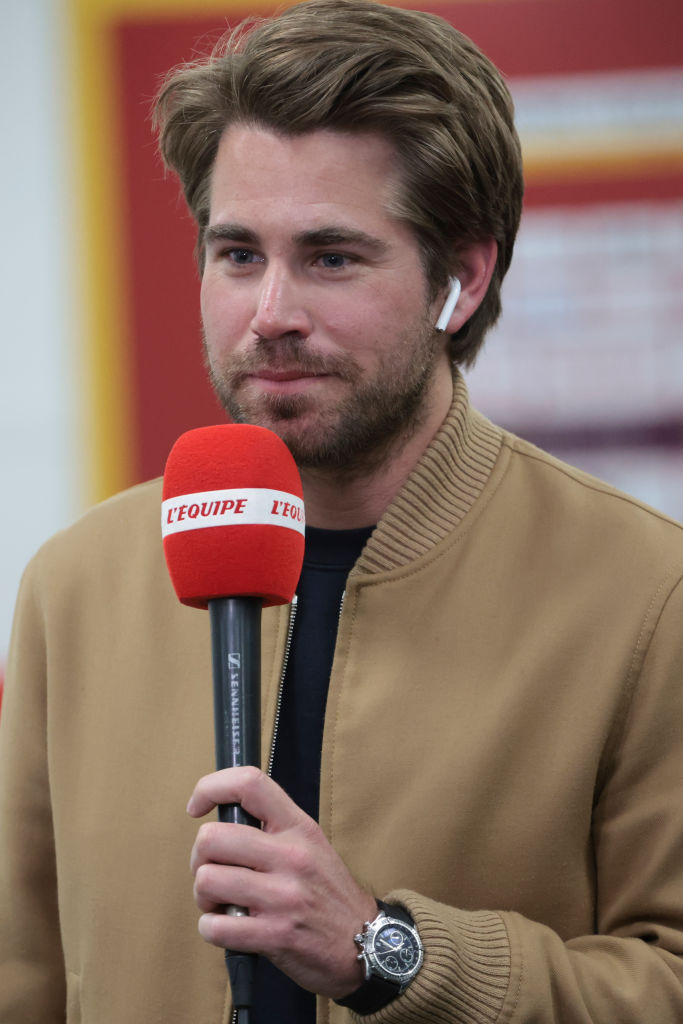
{"x": 232, "y": 516}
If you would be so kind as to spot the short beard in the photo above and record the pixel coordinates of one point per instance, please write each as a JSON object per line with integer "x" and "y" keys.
{"x": 352, "y": 437}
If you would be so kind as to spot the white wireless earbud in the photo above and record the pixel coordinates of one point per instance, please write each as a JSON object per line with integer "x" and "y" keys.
{"x": 449, "y": 305}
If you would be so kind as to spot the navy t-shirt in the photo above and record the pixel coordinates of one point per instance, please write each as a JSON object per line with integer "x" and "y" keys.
{"x": 330, "y": 556}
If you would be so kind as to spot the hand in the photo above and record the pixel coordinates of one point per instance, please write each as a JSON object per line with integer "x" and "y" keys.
{"x": 304, "y": 905}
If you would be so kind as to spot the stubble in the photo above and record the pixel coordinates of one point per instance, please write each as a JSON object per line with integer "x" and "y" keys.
{"x": 352, "y": 435}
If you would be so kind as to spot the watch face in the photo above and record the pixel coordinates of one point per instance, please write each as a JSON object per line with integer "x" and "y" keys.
{"x": 397, "y": 951}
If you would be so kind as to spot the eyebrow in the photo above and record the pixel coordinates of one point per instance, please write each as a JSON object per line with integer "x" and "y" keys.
{"x": 333, "y": 235}
{"x": 328, "y": 236}
{"x": 230, "y": 232}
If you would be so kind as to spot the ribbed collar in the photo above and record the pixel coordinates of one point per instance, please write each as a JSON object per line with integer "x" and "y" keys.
{"x": 439, "y": 492}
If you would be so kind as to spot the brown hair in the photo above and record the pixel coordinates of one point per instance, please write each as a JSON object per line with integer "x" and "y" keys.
{"x": 356, "y": 65}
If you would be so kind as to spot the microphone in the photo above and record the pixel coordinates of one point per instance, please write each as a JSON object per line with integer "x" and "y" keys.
{"x": 232, "y": 522}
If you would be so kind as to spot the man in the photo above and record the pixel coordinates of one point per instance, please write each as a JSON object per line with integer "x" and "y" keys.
{"x": 482, "y": 702}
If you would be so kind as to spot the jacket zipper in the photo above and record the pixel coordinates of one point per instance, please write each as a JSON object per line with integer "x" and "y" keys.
{"x": 278, "y": 706}
{"x": 341, "y": 609}
{"x": 288, "y": 647}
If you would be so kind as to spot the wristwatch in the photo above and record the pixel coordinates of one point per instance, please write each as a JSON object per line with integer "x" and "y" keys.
{"x": 392, "y": 952}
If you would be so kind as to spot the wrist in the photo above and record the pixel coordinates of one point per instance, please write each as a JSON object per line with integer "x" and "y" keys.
{"x": 351, "y": 969}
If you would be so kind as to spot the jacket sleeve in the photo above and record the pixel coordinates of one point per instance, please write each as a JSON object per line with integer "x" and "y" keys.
{"x": 32, "y": 977}
{"x": 498, "y": 967}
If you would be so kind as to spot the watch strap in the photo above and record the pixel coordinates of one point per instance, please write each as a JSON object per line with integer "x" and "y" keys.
{"x": 376, "y": 992}
{"x": 371, "y": 996}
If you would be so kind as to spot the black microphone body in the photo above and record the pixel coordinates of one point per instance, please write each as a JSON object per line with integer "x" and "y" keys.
{"x": 236, "y": 657}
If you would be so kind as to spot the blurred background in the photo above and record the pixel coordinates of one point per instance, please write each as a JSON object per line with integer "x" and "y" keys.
{"x": 101, "y": 361}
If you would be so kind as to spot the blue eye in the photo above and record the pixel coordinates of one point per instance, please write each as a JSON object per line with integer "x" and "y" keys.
{"x": 241, "y": 256}
{"x": 333, "y": 260}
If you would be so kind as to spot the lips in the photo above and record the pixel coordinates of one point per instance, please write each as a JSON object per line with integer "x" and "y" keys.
{"x": 278, "y": 376}
{"x": 294, "y": 380}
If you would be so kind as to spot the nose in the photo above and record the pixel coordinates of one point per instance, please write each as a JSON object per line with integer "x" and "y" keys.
{"x": 280, "y": 308}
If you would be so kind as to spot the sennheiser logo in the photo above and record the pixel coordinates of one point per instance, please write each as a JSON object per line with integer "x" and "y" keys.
{"x": 235, "y": 680}
{"x": 247, "y": 506}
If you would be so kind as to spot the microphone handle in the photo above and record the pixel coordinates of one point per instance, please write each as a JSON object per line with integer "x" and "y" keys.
{"x": 236, "y": 656}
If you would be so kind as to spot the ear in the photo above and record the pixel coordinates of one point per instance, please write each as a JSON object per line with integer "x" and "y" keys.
{"x": 475, "y": 265}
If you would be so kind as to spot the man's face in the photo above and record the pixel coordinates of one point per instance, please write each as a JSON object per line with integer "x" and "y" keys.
{"x": 316, "y": 311}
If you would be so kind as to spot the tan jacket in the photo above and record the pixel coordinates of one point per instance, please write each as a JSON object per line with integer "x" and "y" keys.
{"x": 502, "y": 748}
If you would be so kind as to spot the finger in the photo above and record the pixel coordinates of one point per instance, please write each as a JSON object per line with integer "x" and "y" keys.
{"x": 217, "y": 886}
{"x": 240, "y": 934}
{"x": 265, "y": 934}
{"x": 240, "y": 845}
{"x": 254, "y": 791}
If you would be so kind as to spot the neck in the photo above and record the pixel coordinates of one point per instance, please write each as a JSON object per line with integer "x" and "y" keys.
{"x": 346, "y": 500}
